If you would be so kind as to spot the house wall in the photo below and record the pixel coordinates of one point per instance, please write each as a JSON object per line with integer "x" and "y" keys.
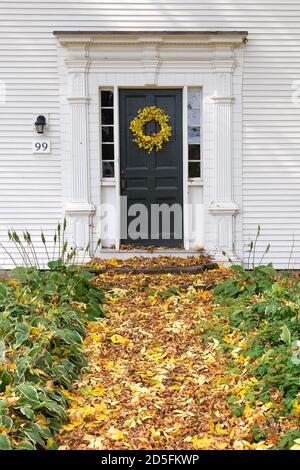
{"x": 31, "y": 186}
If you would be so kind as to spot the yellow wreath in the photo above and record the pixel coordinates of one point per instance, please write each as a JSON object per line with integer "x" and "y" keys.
{"x": 157, "y": 139}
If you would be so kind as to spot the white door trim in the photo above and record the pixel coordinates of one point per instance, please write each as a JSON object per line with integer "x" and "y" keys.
{"x": 185, "y": 174}
{"x": 117, "y": 166}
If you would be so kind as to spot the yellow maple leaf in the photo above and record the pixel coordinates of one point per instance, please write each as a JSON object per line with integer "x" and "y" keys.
{"x": 96, "y": 391}
{"x": 130, "y": 423}
{"x": 154, "y": 433}
{"x": 253, "y": 379}
{"x": 109, "y": 365}
{"x": 4, "y": 430}
{"x": 67, "y": 394}
{"x": 296, "y": 446}
{"x": 113, "y": 262}
{"x": 37, "y": 330}
{"x": 268, "y": 406}
{"x": 243, "y": 344}
{"x": 248, "y": 411}
{"x": 221, "y": 445}
{"x": 296, "y": 407}
{"x": 101, "y": 408}
{"x": 42, "y": 420}
{"x": 115, "y": 434}
{"x": 203, "y": 443}
{"x": 117, "y": 339}
{"x": 12, "y": 366}
{"x": 96, "y": 337}
{"x": 227, "y": 339}
{"x": 219, "y": 430}
{"x": 68, "y": 427}
{"x": 50, "y": 442}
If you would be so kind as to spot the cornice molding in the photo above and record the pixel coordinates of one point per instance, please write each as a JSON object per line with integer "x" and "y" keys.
{"x": 148, "y": 38}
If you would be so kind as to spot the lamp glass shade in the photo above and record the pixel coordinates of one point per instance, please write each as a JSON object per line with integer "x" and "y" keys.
{"x": 40, "y": 124}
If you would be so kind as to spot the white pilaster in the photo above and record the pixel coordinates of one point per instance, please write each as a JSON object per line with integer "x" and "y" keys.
{"x": 79, "y": 209}
{"x": 223, "y": 206}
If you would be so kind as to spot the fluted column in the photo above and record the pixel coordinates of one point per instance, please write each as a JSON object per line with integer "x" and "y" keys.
{"x": 223, "y": 206}
{"x": 223, "y": 183}
{"x": 79, "y": 151}
{"x": 79, "y": 209}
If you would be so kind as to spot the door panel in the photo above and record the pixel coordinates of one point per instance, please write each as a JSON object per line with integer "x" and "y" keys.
{"x": 156, "y": 178}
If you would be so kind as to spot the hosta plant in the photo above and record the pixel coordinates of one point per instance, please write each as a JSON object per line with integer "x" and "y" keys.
{"x": 43, "y": 318}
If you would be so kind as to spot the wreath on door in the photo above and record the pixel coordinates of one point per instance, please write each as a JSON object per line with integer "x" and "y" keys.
{"x": 157, "y": 139}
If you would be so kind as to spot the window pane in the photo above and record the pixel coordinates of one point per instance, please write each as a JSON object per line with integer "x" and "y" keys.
{"x": 107, "y": 134}
{"x": 107, "y": 151}
{"x": 194, "y": 170}
{"x": 194, "y": 117}
{"x": 193, "y": 99}
{"x": 107, "y": 116}
{"x": 194, "y": 152}
{"x": 107, "y": 99}
{"x": 108, "y": 169}
{"x": 194, "y": 135}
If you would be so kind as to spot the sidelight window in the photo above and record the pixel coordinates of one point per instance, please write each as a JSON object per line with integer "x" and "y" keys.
{"x": 107, "y": 133}
{"x": 194, "y": 132}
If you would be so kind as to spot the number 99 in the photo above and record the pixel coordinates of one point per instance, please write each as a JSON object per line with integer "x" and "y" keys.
{"x": 41, "y": 146}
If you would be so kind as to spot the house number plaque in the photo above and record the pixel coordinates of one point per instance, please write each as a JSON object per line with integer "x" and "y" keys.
{"x": 41, "y": 146}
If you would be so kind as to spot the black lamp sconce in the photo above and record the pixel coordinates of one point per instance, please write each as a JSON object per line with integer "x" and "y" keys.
{"x": 40, "y": 124}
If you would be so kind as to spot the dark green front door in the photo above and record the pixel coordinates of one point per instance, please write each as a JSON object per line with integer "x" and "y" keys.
{"x": 152, "y": 182}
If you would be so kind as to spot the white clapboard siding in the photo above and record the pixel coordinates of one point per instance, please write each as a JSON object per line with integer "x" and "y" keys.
{"x": 30, "y": 186}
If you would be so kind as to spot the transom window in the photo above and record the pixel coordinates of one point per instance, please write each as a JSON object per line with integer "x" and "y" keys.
{"x": 194, "y": 132}
{"x": 107, "y": 134}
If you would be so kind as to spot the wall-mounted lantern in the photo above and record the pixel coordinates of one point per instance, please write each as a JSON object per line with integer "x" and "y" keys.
{"x": 40, "y": 124}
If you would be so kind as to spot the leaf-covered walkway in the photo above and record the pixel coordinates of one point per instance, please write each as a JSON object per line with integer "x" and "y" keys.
{"x": 151, "y": 382}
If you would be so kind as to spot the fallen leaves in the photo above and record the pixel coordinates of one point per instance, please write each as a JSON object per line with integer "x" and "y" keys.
{"x": 151, "y": 382}
{"x": 133, "y": 262}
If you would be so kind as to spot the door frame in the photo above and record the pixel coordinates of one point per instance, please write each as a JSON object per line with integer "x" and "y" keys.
{"x": 212, "y": 60}
{"x": 185, "y": 188}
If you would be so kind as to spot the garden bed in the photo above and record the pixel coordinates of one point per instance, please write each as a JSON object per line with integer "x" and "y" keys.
{"x": 175, "y": 365}
{"x": 43, "y": 321}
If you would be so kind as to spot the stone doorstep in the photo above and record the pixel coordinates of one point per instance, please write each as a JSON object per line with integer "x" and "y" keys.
{"x": 193, "y": 269}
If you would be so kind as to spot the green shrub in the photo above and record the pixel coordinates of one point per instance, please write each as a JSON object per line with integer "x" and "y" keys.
{"x": 260, "y": 279}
